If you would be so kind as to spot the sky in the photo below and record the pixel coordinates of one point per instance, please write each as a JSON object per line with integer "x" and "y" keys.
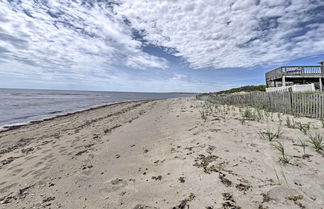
{"x": 154, "y": 45}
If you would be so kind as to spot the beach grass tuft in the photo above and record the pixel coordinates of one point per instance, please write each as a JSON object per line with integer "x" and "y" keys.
{"x": 290, "y": 123}
{"x": 270, "y": 135}
{"x": 303, "y": 145}
{"x": 280, "y": 147}
{"x": 248, "y": 114}
{"x": 317, "y": 141}
{"x": 278, "y": 178}
{"x": 304, "y": 127}
{"x": 203, "y": 115}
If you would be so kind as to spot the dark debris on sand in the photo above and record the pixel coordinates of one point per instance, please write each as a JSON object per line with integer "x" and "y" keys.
{"x": 8, "y": 160}
{"x": 185, "y": 202}
{"x": 224, "y": 180}
{"x": 20, "y": 143}
{"x": 181, "y": 179}
{"x": 243, "y": 187}
{"x": 140, "y": 206}
{"x": 156, "y": 178}
{"x": 21, "y": 194}
{"x": 203, "y": 161}
{"x": 229, "y": 202}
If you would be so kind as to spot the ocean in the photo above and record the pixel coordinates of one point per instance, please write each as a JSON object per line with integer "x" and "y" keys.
{"x": 20, "y": 106}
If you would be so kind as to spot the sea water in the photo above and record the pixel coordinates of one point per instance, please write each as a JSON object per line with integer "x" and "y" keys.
{"x": 20, "y": 106}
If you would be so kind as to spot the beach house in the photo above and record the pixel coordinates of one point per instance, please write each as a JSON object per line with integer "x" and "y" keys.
{"x": 296, "y": 75}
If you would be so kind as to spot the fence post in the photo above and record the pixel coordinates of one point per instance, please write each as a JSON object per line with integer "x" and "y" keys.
{"x": 270, "y": 109}
{"x": 291, "y": 100}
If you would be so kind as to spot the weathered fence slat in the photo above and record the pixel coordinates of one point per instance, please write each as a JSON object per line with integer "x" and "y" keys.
{"x": 303, "y": 104}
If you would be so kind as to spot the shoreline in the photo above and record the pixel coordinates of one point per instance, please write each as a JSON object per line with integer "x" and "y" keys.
{"x": 33, "y": 110}
{"x": 10, "y": 127}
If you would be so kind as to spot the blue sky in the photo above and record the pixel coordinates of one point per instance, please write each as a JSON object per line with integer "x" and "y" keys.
{"x": 154, "y": 45}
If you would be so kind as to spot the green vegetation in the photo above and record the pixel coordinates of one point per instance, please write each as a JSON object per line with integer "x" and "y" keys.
{"x": 290, "y": 123}
{"x": 243, "y": 89}
{"x": 252, "y": 114}
{"x": 235, "y": 90}
{"x": 303, "y": 145}
{"x": 283, "y": 175}
{"x": 270, "y": 135}
{"x": 248, "y": 114}
{"x": 280, "y": 147}
{"x": 317, "y": 141}
{"x": 304, "y": 127}
{"x": 203, "y": 115}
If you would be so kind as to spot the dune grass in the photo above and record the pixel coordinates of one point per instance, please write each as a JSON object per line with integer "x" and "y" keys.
{"x": 280, "y": 147}
{"x": 317, "y": 141}
{"x": 270, "y": 135}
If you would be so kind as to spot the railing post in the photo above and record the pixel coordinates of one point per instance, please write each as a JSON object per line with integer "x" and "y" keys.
{"x": 283, "y": 81}
{"x": 320, "y": 79}
{"x": 320, "y": 83}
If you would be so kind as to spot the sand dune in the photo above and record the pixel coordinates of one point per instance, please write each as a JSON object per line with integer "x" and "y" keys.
{"x": 160, "y": 154}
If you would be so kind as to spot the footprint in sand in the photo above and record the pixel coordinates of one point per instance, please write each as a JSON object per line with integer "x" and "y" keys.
{"x": 140, "y": 206}
{"x": 26, "y": 174}
{"x": 31, "y": 157}
{"x": 13, "y": 167}
{"x": 38, "y": 164}
{"x": 63, "y": 151}
{"x": 47, "y": 157}
{"x": 7, "y": 188}
{"x": 112, "y": 186}
{"x": 46, "y": 151}
{"x": 41, "y": 171}
{"x": 17, "y": 171}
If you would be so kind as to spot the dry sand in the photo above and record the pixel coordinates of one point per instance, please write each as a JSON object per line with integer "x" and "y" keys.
{"x": 158, "y": 154}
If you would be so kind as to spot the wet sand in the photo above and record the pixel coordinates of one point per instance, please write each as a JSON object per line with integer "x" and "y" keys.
{"x": 159, "y": 154}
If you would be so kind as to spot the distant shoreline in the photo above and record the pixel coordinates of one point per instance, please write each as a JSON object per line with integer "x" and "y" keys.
{"x": 135, "y": 92}
{"x": 19, "y": 107}
{"x": 10, "y": 127}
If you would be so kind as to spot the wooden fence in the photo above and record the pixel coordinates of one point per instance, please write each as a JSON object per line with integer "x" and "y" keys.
{"x": 302, "y": 104}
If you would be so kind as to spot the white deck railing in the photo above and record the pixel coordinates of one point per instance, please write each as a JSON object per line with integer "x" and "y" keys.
{"x": 294, "y": 88}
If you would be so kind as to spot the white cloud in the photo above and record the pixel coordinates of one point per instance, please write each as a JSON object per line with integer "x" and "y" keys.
{"x": 221, "y": 34}
{"x": 94, "y": 42}
{"x": 69, "y": 35}
{"x": 80, "y": 35}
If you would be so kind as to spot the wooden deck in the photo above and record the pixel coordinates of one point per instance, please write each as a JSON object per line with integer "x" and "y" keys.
{"x": 296, "y": 75}
{"x": 295, "y": 72}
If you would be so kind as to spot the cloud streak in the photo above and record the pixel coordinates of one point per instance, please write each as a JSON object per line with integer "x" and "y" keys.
{"x": 226, "y": 34}
{"x": 69, "y": 35}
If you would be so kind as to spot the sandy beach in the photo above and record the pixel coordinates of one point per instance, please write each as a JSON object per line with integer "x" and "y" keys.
{"x": 161, "y": 154}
